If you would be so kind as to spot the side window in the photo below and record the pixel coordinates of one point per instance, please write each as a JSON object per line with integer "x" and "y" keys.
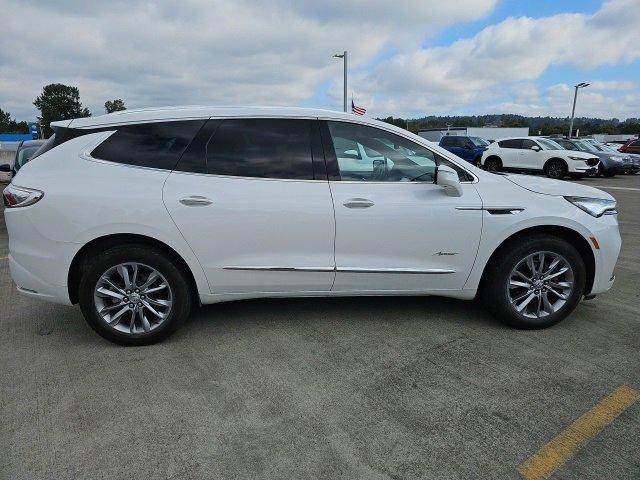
{"x": 528, "y": 143}
{"x": 156, "y": 145}
{"x": 386, "y": 157}
{"x": 262, "y": 148}
{"x": 447, "y": 141}
{"x": 512, "y": 143}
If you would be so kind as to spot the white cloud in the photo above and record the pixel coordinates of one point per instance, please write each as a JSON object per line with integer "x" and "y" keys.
{"x": 198, "y": 51}
{"x": 279, "y": 52}
{"x": 480, "y": 69}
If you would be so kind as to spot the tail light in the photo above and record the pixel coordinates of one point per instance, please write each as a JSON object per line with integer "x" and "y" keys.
{"x": 15, "y": 197}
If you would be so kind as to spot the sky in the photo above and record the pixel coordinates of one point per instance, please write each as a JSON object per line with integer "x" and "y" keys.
{"x": 406, "y": 57}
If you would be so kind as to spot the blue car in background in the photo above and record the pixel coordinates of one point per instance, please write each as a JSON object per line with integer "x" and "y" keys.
{"x": 467, "y": 148}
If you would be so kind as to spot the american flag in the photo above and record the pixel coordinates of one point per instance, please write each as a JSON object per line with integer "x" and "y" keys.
{"x": 357, "y": 110}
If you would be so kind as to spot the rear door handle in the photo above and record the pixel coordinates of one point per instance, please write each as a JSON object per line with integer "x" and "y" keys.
{"x": 358, "y": 203}
{"x": 195, "y": 201}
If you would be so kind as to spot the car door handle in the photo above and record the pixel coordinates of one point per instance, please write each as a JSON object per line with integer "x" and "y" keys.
{"x": 195, "y": 201}
{"x": 358, "y": 203}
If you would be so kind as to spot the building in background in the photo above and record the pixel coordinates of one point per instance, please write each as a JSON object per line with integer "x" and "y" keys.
{"x": 488, "y": 133}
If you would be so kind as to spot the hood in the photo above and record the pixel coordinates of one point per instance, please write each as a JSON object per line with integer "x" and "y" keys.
{"x": 575, "y": 153}
{"x": 547, "y": 186}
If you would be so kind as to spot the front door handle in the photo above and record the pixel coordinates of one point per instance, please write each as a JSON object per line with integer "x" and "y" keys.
{"x": 195, "y": 201}
{"x": 358, "y": 203}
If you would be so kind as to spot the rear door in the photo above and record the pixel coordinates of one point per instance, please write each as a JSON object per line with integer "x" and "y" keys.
{"x": 510, "y": 152}
{"x": 255, "y": 207}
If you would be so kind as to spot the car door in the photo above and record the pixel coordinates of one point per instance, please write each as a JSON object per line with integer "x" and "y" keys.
{"x": 510, "y": 152}
{"x": 255, "y": 207}
{"x": 458, "y": 147}
{"x": 531, "y": 159}
{"x": 394, "y": 234}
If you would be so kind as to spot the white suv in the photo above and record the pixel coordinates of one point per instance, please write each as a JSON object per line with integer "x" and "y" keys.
{"x": 535, "y": 154}
{"x": 140, "y": 215}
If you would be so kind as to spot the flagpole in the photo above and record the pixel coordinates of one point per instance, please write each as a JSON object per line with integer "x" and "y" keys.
{"x": 345, "y": 81}
{"x": 343, "y": 56}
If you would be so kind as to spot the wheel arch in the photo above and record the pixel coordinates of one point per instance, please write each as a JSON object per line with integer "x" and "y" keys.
{"x": 103, "y": 243}
{"x": 571, "y": 236}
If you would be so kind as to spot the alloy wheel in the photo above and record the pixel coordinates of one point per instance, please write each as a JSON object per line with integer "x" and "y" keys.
{"x": 540, "y": 284}
{"x": 133, "y": 298}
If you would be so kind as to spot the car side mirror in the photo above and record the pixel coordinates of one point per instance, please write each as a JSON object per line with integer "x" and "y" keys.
{"x": 351, "y": 154}
{"x": 447, "y": 177}
{"x": 535, "y": 148}
{"x": 5, "y": 167}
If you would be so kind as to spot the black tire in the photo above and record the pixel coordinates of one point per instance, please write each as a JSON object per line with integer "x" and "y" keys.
{"x": 556, "y": 169}
{"x": 493, "y": 164}
{"x": 495, "y": 285}
{"x": 609, "y": 173}
{"x": 171, "y": 271}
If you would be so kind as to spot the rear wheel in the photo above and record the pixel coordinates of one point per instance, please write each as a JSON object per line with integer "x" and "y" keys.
{"x": 556, "y": 169}
{"x": 535, "y": 283}
{"x": 493, "y": 164}
{"x": 134, "y": 295}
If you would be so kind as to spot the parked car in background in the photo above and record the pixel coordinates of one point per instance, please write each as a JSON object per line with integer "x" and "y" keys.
{"x": 25, "y": 151}
{"x": 630, "y": 162}
{"x": 538, "y": 155}
{"x": 610, "y": 163}
{"x": 466, "y": 147}
{"x": 5, "y": 172}
{"x": 140, "y": 215}
{"x": 632, "y": 146}
{"x": 615, "y": 145}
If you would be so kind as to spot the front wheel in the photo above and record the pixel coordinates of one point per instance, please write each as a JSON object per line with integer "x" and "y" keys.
{"x": 536, "y": 283}
{"x": 134, "y": 295}
{"x": 556, "y": 169}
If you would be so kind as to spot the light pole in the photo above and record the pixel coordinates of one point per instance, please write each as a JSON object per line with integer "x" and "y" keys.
{"x": 573, "y": 110}
{"x": 343, "y": 56}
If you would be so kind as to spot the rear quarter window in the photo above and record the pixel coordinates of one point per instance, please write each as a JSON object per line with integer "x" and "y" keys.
{"x": 154, "y": 145}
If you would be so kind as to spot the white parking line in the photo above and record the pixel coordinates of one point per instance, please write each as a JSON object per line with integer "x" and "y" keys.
{"x": 619, "y": 188}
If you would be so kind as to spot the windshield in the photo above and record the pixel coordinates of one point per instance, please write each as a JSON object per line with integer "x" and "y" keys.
{"x": 587, "y": 147}
{"x": 576, "y": 146}
{"x": 549, "y": 144}
{"x": 479, "y": 142}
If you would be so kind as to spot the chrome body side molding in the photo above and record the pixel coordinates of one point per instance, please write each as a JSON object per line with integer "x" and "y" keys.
{"x": 414, "y": 271}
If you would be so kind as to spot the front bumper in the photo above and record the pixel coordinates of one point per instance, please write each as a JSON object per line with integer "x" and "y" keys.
{"x": 605, "y": 230}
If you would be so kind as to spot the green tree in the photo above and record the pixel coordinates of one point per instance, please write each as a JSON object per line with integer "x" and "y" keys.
{"x": 59, "y": 102}
{"x": 9, "y": 125}
{"x": 114, "y": 105}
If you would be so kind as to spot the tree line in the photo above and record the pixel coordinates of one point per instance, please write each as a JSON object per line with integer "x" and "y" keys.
{"x": 56, "y": 102}
{"x": 537, "y": 125}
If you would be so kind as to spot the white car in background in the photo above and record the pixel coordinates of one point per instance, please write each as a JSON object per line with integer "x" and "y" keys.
{"x": 139, "y": 216}
{"x": 539, "y": 155}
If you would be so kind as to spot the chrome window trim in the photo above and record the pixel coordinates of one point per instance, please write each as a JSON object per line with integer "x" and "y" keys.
{"x": 86, "y": 154}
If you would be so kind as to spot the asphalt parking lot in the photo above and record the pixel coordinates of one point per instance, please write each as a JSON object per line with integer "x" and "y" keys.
{"x": 340, "y": 388}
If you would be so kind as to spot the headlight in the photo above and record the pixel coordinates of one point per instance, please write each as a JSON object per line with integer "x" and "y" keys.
{"x": 615, "y": 158}
{"x": 577, "y": 158}
{"x": 15, "y": 197}
{"x": 595, "y": 207}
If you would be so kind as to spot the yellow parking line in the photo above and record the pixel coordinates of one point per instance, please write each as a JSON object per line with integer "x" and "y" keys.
{"x": 555, "y": 453}
{"x": 3, "y": 258}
